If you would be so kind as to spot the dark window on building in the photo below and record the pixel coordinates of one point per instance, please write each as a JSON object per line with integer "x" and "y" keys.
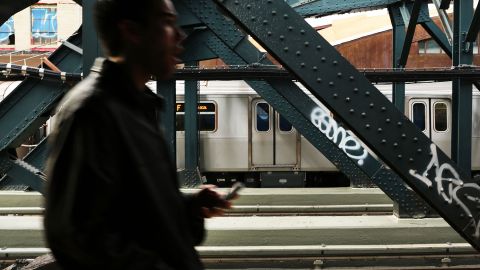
{"x": 44, "y": 25}
{"x": 284, "y": 124}
{"x": 421, "y": 47}
{"x": 429, "y": 46}
{"x": 7, "y": 33}
{"x": 207, "y": 113}
{"x": 475, "y": 47}
{"x": 263, "y": 117}
{"x": 440, "y": 113}
{"x": 418, "y": 117}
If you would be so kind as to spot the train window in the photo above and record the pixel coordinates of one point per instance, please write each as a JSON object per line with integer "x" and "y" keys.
{"x": 206, "y": 122}
{"x": 263, "y": 116}
{"x": 418, "y": 117}
{"x": 180, "y": 122}
{"x": 440, "y": 114}
{"x": 284, "y": 125}
{"x": 207, "y": 112}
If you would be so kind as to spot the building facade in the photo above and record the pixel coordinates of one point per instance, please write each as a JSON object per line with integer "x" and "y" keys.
{"x": 35, "y": 32}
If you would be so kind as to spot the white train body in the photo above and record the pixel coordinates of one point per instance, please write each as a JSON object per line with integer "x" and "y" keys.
{"x": 240, "y": 143}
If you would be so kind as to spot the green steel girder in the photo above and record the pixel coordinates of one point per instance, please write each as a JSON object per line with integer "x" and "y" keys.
{"x": 439, "y": 36}
{"x": 191, "y": 130}
{"x": 209, "y": 16}
{"x": 462, "y": 89}
{"x": 195, "y": 49}
{"x": 27, "y": 107}
{"x": 33, "y": 99}
{"x": 474, "y": 26}
{"x": 187, "y": 19}
{"x": 410, "y": 15}
{"x": 335, "y": 82}
{"x": 91, "y": 44}
{"x": 427, "y": 23}
{"x": 15, "y": 173}
{"x": 412, "y": 25}
{"x": 398, "y": 31}
{"x": 296, "y": 107}
{"x": 293, "y": 104}
{"x": 320, "y": 8}
{"x": 38, "y": 156}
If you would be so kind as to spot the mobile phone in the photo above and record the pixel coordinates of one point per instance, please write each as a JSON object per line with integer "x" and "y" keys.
{"x": 234, "y": 190}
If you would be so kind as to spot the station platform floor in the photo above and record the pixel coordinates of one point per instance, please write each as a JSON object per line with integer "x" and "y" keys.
{"x": 252, "y": 233}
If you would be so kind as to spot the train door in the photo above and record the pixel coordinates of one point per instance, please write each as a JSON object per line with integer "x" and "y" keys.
{"x": 433, "y": 116}
{"x": 274, "y": 141}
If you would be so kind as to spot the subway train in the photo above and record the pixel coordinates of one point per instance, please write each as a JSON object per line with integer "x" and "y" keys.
{"x": 242, "y": 138}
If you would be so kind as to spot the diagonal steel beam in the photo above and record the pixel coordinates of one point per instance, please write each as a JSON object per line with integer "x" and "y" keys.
{"x": 474, "y": 26}
{"x": 461, "y": 141}
{"x": 439, "y": 36}
{"x": 412, "y": 24}
{"x": 422, "y": 165}
{"x": 38, "y": 156}
{"x": 28, "y": 107}
{"x": 24, "y": 109}
{"x": 447, "y": 27}
{"x": 321, "y": 8}
{"x": 297, "y": 107}
{"x": 195, "y": 49}
{"x": 20, "y": 173}
{"x": 398, "y": 33}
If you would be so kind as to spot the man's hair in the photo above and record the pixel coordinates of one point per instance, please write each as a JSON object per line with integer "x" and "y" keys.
{"x": 108, "y": 13}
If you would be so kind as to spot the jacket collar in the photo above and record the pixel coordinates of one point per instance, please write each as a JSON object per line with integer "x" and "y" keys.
{"x": 116, "y": 81}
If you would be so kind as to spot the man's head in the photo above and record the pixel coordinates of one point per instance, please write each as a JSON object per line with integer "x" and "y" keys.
{"x": 143, "y": 32}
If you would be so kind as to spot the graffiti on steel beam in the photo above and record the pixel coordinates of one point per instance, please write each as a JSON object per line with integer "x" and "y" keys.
{"x": 338, "y": 135}
{"x": 446, "y": 174}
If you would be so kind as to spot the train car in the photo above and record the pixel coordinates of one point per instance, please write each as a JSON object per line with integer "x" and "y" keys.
{"x": 242, "y": 138}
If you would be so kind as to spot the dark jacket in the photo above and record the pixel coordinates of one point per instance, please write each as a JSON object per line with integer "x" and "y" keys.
{"x": 113, "y": 201}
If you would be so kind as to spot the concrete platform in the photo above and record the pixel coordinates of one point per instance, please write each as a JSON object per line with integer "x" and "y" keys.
{"x": 253, "y": 201}
{"x": 27, "y": 231}
{"x": 250, "y": 196}
{"x": 327, "y": 230}
{"x": 20, "y": 199}
{"x": 309, "y": 196}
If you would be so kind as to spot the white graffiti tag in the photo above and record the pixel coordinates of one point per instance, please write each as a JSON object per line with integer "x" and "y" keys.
{"x": 338, "y": 135}
{"x": 446, "y": 174}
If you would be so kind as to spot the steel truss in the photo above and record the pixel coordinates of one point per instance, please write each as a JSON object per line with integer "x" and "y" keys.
{"x": 422, "y": 165}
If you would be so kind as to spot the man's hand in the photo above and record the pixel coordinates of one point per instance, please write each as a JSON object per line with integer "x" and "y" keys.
{"x": 211, "y": 202}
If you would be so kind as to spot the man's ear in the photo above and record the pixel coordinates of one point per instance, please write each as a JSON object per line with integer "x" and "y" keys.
{"x": 130, "y": 32}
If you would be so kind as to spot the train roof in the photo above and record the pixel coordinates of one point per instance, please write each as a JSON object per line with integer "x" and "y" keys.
{"x": 242, "y": 88}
